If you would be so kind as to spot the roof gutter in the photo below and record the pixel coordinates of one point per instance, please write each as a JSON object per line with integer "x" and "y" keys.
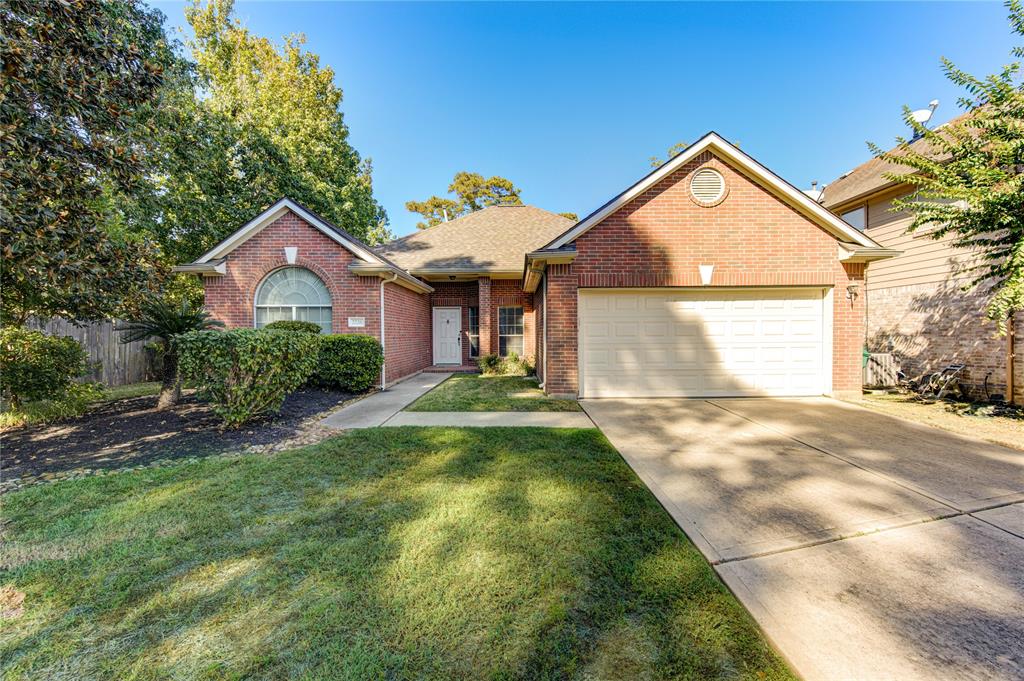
{"x": 854, "y": 253}
{"x": 389, "y": 272}
{"x": 537, "y": 262}
{"x": 214, "y": 268}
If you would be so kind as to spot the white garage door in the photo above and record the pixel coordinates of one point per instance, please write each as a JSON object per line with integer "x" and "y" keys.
{"x": 662, "y": 343}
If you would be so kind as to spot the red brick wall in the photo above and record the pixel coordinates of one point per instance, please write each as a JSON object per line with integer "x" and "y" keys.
{"x": 848, "y": 319}
{"x": 455, "y": 294}
{"x": 230, "y": 298}
{"x": 660, "y": 238}
{"x": 561, "y": 373}
{"x": 929, "y": 326}
{"x": 407, "y": 323}
{"x": 510, "y": 293}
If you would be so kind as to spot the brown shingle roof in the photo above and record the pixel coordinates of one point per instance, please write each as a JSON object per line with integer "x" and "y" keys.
{"x": 868, "y": 177}
{"x": 494, "y": 239}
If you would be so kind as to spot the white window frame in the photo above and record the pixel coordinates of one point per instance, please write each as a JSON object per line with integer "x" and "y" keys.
{"x": 512, "y": 335}
{"x": 294, "y": 308}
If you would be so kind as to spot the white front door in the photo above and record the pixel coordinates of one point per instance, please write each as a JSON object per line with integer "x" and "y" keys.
{"x": 705, "y": 342}
{"x": 447, "y": 335}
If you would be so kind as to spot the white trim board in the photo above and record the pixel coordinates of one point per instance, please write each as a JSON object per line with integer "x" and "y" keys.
{"x": 728, "y": 152}
{"x": 254, "y": 226}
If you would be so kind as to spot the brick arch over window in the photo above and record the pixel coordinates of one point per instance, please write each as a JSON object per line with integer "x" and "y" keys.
{"x": 293, "y": 294}
{"x": 301, "y": 263}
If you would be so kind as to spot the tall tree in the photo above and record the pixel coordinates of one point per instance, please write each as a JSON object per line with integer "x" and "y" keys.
{"x": 472, "y": 192}
{"x": 969, "y": 177}
{"x": 75, "y": 75}
{"x": 283, "y": 95}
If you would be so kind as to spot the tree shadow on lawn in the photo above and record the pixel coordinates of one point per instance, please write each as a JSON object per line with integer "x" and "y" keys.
{"x": 385, "y": 553}
{"x": 132, "y": 432}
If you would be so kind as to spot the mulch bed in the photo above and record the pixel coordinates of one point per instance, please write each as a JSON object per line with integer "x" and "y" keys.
{"x": 132, "y": 432}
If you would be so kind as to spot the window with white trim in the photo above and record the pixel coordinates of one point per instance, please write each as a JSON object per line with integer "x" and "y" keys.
{"x": 474, "y": 332}
{"x": 510, "y": 331}
{"x": 293, "y": 293}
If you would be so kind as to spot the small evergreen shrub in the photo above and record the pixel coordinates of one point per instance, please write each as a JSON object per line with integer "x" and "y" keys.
{"x": 512, "y": 365}
{"x": 294, "y": 325}
{"x": 246, "y": 372}
{"x": 351, "y": 362}
{"x": 34, "y": 366}
{"x": 490, "y": 365}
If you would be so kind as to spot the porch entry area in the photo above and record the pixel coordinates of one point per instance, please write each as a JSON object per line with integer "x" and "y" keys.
{"x": 447, "y": 327}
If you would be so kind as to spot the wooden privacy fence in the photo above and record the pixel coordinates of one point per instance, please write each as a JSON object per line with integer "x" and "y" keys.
{"x": 112, "y": 362}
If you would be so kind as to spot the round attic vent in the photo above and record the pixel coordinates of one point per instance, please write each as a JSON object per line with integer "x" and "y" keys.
{"x": 707, "y": 185}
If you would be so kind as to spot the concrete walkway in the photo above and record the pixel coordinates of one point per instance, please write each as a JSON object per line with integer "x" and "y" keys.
{"x": 865, "y": 546}
{"x": 474, "y": 419}
{"x": 379, "y": 407}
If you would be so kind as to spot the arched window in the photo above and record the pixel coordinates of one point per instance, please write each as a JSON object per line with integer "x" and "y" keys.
{"x": 293, "y": 293}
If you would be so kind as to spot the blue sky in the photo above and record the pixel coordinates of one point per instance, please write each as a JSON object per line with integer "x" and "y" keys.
{"x": 570, "y": 100}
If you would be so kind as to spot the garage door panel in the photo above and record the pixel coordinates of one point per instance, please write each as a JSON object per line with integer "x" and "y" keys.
{"x": 702, "y": 343}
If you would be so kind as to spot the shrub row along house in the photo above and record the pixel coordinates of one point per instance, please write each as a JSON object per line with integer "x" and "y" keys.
{"x": 711, "y": 276}
{"x": 917, "y": 305}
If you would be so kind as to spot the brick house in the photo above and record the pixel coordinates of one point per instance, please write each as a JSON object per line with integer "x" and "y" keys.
{"x": 710, "y": 276}
{"x": 917, "y": 307}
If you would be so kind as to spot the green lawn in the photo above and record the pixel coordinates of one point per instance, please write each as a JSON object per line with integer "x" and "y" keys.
{"x": 471, "y": 392}
{"x": 388, "y": 553}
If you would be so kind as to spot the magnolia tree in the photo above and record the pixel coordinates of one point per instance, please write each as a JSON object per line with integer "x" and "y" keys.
{"x": 969, "y": 178}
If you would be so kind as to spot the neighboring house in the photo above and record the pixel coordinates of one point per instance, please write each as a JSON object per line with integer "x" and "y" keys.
{"x": 710, "y": 276}
{"x": 917, "y": 307}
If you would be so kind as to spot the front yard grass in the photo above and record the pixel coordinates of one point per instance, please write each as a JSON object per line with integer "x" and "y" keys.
{"x": 472, "y": 392}
{"x": 965, "y": 418}
{"x": 382, "y": 553}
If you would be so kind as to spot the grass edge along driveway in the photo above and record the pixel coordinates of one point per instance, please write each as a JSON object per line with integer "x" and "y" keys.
{"x": 382, "y": 553}
{"x": 473, "y": 392}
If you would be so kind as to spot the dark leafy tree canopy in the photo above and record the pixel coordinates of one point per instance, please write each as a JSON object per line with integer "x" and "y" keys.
{"x": 969, "y": 177}
{"x": 281, "y": 95}
{"x": 77, "y": 75}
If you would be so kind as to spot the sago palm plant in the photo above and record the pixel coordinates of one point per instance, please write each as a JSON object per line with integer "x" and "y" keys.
{"x": 164, "y": 320}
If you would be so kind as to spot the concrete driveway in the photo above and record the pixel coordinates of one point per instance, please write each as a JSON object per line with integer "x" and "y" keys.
{"x": 867, "y": 547}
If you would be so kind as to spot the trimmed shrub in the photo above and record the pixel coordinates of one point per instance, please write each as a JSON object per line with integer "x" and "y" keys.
{"x": 351, "y": 362}
{"x": 294, "y": 325}
{"x": 512, "y": 365}
{"x": 34, "y": 366}
{"x": 246, "y": 372}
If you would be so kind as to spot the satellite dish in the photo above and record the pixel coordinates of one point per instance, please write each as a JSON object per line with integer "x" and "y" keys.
{"x": 922, "y": 116}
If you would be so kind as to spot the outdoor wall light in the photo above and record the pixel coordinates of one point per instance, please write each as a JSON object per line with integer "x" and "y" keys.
{"x": 852, "y": 291}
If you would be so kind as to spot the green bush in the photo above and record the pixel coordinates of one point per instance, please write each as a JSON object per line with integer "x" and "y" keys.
{"x": 294, "y": 325}
{"x": 246, "y": 372}
{"x": 34, "y": 366}
{"x": 72, "y": 402}
{"x": 512, "y": 365}
{"x": 350, "y": 362}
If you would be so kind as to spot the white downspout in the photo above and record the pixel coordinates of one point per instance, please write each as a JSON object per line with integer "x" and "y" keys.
{"x": 383, "y": 348}
{"x": 544, "y": 332}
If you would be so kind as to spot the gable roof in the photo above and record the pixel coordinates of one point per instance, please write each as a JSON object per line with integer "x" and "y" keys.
{"x": 492, "y": 240}
{"x": 282, "y": 206}
{"x": 212, "y": 261}
{"x": 868, "y": 178}
{"x": 742, "y": 162}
